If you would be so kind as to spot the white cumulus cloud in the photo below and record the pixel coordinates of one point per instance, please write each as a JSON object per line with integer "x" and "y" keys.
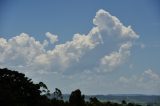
{"x": 115, "y": 59}
{"x": 112, "y": 25}
{"x": 53, "y": 38}
{"x": 109, "y": 40}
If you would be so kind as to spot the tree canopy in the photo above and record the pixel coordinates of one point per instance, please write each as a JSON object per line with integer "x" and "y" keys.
{"x": 16, "y": 89}
{"x": 76, "y": 99}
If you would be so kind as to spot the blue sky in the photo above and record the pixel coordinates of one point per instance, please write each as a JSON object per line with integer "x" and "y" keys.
{"x": 86, "y": 60}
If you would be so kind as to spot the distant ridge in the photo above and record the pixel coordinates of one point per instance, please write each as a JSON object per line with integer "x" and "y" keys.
{"x": 137, "y": 98}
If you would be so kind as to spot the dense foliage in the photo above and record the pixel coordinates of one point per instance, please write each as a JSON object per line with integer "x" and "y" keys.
{"x": 18, "y": 90}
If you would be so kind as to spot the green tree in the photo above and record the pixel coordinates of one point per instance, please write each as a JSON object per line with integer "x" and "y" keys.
{"x": 44, "y": 89}
{"x": 58, "y": 94}
{"x": 94, "y": 101}
{"x": 131, "y": 104}
{"x": 124, "y": 103}
{"x": 76, "y": 99}
{"x": 18, "y": 90}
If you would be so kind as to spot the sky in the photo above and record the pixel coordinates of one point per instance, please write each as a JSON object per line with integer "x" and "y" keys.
{"x": 99, "y": 47}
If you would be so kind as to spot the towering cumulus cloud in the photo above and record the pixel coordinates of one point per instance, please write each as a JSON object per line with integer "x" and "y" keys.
{"x": 109, "y": 39}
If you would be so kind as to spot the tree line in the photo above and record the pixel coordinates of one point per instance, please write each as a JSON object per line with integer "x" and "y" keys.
{"x": 18, "y": 90}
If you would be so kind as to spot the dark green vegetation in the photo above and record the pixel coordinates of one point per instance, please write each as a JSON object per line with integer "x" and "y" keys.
{"x": 18, "y": 90}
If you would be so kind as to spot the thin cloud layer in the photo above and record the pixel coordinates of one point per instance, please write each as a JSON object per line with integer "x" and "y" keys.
{"x": 109, "y": 39}
{"x": 152, "y": 75}
{"x": 148, "y": 80}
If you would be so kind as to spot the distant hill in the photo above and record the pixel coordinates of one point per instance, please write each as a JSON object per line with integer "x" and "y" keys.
{"x": 136, "y": 98}
{"x": 154, "y": 100}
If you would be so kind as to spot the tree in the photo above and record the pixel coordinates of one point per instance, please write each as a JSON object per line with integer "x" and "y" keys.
{"x": 44, "y": 89}
{"x": 94, "y": 101}
{"x": 123, "y": 102}
{"x": 130, "y": 104}
{"x": 76, "y": 99}
{"x": 58, "y": 94}
{"x": 18, "y": 90}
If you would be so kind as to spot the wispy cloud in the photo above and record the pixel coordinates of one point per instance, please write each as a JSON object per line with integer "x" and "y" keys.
{"x": 152, "y": 75}
{"x": 148, "y": 80}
